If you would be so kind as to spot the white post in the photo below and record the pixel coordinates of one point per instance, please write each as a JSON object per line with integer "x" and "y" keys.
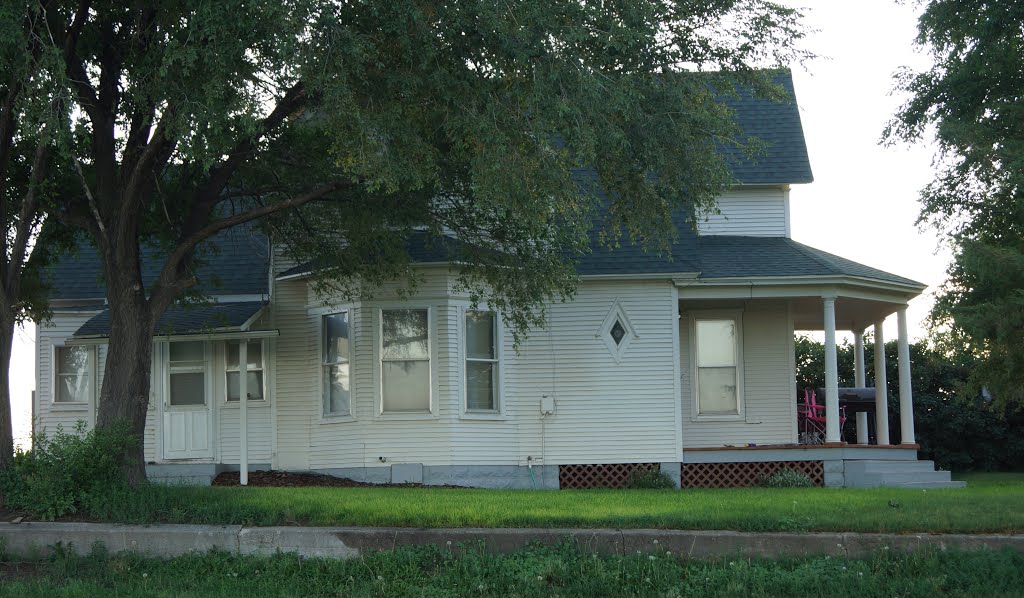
{"x": 858, "y": 356}
{"x": 862, "y": 427}
{"x": 831, "y": 374}
{"x": 906, "y": 399}
{"x": 243, "y": 412}
{"x": 881, "y": 395}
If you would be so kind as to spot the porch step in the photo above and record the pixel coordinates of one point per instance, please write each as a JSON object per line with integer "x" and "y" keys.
{"x": 186, "y": 474}
{"x": 897, "y": 474}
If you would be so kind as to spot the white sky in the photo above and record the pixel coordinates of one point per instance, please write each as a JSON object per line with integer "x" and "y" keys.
{"x": 863, "y": 202}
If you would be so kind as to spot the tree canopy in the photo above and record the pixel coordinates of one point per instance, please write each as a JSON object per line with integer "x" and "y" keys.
{"x": 972, "y": 102}
{"x": 380, "y": 117}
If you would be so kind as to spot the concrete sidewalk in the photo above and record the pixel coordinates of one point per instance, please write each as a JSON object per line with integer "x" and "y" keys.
{"x": 33, "y": 540}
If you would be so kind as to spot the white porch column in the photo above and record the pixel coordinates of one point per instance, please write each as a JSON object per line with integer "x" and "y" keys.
{"x": 243, "y": 412}
{"x": 858, "y": 381}
{"x": 831, "y": 373}
{"x": 881, "y": 395}
{"x": 906, "y": 399}
{"x": 858, "y": 356}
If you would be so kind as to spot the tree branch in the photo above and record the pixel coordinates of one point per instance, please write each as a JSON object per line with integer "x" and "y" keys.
{"x": 168, "y": 285}
{"x": 209, "y": 194}
{"x": 27, "y": 217}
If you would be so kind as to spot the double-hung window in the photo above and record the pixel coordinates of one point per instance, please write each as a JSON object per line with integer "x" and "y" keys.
{"x": 481, "y": 361}
{"x": 73, "y": 374}
{"x": 186, "y": 369}
{"x": 336, "y": 351}
{"x": 254, "y": 371}
{"x": 405, "y": 360}
{"x": 718, "y": 366}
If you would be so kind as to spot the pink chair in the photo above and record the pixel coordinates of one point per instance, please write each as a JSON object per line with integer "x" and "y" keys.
{"x": 811, "y": 417}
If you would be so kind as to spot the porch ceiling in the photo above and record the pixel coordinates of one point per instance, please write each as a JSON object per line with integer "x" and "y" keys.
{"x": 851, "y": 313}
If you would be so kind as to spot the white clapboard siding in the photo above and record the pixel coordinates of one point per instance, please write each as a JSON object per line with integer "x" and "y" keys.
{"x": 50, "y": 415}
{"x": 297, "y": 384}
{"x": 749, "y": 212}
{"x": 769, "y": 394}
{"x": 259, "y": 433}
{"x": 370, "y": 437}
{"x": 607, "y": 412}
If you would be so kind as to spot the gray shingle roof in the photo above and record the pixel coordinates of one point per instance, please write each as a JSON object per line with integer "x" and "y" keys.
{"x": 234, "y": 262}
{"x": 421, "y": 248}
{"x": 185, "y": 319}
{"x": 778, "y": 125}
{"x": 630, "y": 258}
{"x": 741, "y": 257}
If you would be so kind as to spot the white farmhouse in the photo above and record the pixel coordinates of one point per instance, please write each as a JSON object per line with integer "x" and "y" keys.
{"x": 683, "y": 364}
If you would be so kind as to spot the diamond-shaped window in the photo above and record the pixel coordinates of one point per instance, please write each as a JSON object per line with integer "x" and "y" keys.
{"x": 618, "y": 332}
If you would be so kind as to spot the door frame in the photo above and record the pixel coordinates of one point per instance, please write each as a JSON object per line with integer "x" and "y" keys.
{"x": 161, "y": 381}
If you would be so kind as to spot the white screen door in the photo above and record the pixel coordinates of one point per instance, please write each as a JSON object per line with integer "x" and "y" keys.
{"x": 187, "y": 421}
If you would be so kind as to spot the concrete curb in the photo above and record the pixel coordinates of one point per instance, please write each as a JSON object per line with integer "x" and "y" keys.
{"x": 38, "y": 539}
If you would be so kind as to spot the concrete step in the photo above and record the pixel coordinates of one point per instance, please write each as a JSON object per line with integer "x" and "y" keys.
{"x": 896, "y": 474}
{"x": 196, "y": 474}
{"x": 888, "y": 479}
{"x": 901, "y": 466}
{"x": 182, "y": 480}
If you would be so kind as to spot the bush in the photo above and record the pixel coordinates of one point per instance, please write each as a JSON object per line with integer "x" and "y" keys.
{"x": 649, "y": 479}
{"x": 61, "y": 474}
{"x": 786, "y": 478}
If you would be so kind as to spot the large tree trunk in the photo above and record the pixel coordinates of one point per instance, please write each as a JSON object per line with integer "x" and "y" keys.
{"x": 6, "y": 430}
{"x": 126, "y": 381}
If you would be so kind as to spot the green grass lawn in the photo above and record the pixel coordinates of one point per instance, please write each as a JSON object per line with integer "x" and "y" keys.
{"x": 990, "y": 503}
{"x": 536, "y": 571}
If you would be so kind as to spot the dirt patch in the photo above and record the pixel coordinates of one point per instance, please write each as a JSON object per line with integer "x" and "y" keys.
{"x": 288, "y": 479}
{"x": 14, "y": 571}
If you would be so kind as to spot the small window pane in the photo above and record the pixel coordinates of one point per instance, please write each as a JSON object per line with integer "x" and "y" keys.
{"x": 479, "y": 335}
{"x": 254, "y": 355}
{"x": 405, "y": 334}
{"x": 337, "y": 393}
{"x": 406, "y": 385}
{"x": 717, "y": 391}
{"x": 73, "y": 388}
{"x": 480, "y": 385}
{"x": 189, "y": 351}
{"x": 618, "y": 332}
{"x": 72, "y": 360}
{"x": 73, "y": 379}
{"x": 716, "y": 343}
{"x": 255, "y": 385}
{"x": 336, "y": 337}
{"x": 188, "y": 389}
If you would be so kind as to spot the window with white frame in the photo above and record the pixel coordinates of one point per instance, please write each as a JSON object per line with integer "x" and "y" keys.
{"x": 186, "y": 371}
{"x": 718, "y": 371}
{"x": 74, "y": 374}
{"x": 254, "y": 371}
{"x": 405, "y": 360}
{"x": 481, "y": 361}
{"x": 336, "y": 352}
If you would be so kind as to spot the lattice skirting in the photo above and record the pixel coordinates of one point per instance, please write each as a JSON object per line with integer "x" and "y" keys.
{"x": 742, "y": 475}
{"x": 614, "y": 475}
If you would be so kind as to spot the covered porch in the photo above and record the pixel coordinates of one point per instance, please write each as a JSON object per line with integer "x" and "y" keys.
{"x": 737, "y": 450}
{"x": 858, "y": 313}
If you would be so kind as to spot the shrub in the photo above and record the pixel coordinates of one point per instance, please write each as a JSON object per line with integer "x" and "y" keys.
{"x": 61, "y": 474}
{"x": 649, "y": 479}
{"x": 786, "y": 478}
